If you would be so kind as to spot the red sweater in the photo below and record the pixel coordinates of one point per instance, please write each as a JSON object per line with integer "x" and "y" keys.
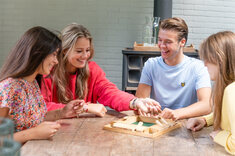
{"x": 100, "y": 89}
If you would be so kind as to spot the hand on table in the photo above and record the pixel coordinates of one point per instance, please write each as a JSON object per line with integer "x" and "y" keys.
{"x": 97, "y": 109}
{"x": 146, "y": 106}
{"x": 169, "y": 114}
{"x": 45, "y": 130}
{"x": 73, "y": 108}
{"x": 196, "y": 124}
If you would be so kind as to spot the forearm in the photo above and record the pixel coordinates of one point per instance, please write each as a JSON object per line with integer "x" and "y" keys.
{"x": 54, "y": 115}
{"x": 143, "y": 91}
{"x": 24, "y": 136}
{"x": 197, "y": 109}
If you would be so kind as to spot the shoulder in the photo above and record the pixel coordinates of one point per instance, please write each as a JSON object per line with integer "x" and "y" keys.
{"x": 11, "y": 86}
{"x": 230, "y": 88}
{"x": 196, "y": 65}
{"x": 94, "y": 68}
{"x": 93, "y": 64}
{"x": 47, "y": 79}
{"x": 152, "y": 61}
{"x": 10, "y": 83}
{"x": 194, "y": 61}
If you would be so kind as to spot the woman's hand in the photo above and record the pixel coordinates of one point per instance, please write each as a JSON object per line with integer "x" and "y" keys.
{"x": 214, "y": 133}
{"x": 97, "y": 109}
{"x": 146, "y": 106}
{"x": 45, "y": 130}
{"x": 73, "y": 108}
{"x": 196, "y": 124}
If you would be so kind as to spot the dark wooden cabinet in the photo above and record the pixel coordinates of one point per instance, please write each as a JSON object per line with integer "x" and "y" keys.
{"x": 133, "y": 62}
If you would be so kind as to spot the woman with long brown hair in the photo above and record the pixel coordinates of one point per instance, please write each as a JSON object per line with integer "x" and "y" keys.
{"x": 77, "y": 77}
{"x": 218, "y": 54}
{"x": 34, "y": 54}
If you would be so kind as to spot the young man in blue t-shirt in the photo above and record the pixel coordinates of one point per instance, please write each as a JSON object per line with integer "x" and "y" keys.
{"x": 179, "y": 83}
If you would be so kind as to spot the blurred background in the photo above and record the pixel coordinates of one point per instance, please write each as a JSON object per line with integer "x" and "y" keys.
{"x": 114, "y": 24}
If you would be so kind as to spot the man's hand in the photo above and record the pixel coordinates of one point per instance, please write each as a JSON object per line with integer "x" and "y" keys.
{"x": 169, "y": 114}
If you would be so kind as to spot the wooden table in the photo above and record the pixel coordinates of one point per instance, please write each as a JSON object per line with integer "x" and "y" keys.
{"x": 85, "y": 136}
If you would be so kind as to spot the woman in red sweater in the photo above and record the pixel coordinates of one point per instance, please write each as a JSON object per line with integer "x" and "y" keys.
{"x": 76, "y": 77}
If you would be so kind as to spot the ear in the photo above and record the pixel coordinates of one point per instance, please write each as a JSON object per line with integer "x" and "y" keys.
{"x": 182, "y": 42}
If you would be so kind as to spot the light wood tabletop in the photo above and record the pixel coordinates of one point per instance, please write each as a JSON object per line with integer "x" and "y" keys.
{"x": 85, "y": 136}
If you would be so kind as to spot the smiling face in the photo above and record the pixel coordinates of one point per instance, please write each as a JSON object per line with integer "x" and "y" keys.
{"x": 171, "y": 48}
{"x": 47, "y": 65}
{"x": 78, "y": 55}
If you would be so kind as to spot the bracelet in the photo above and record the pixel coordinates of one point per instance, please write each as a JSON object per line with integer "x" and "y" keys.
{"x": 85, "y": 108}
{"x": 134, "y": 104}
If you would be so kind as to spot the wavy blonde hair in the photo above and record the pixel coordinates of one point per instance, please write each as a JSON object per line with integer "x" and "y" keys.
{"x": 219, "y": 50}
{"x": 69, "y": 37}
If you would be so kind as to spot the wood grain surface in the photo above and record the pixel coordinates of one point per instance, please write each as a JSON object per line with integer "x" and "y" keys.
{"x": 85, "y": 136}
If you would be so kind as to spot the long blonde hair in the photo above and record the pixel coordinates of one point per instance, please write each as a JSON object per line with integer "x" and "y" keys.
{"x": 219, "y": 49}
{"x": 69, "y": 37}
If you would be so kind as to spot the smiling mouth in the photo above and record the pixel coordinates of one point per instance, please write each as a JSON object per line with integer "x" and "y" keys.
{"x": 81, "y": 61}
{"x": 165, "y": 52}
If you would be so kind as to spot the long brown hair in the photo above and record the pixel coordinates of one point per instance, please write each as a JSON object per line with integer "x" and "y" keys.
{"x": 29, "y": 52}
{"x": 69, "y": 37}
{"x": 219, "y": 50}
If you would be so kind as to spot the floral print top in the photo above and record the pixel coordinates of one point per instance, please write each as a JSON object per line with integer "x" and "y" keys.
{"x": 24, "y": 99}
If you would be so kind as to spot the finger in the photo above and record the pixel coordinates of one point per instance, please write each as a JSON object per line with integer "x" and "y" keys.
{"x": 77, "y": 107}
{"x": 78, "y": 102}
{"x": 102, "y": 114}
{"x": 167, "y": 115}
{"x": 148, "y": 115}
{"x": 198, "y": 127}
{"x": 157, "y": 109}
{"x": 79, "y": 111}
{"x": 56, "y": 126}
{"x": 136, "y": 112}
{"x": 152, "y": 111}
{"x": 144, "y": 114}
{"x": 173, "y": 118}
{"x": 140, "y": 112}
{"x": 190, "y": 125}
{"x": 104, "y": 109}
{"x": 144, "y": 108}
{"x": 162, "y": 114}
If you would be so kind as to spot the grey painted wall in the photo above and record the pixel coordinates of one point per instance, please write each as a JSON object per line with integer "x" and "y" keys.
{"x": 114, "y": 24}
{"x": 205, "y": 17}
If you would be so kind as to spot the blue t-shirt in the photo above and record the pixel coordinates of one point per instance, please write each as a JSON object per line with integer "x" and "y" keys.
{"x": 175, "y": 86}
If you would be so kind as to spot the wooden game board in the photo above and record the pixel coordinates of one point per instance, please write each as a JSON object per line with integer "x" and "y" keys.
{"x": 143, "y": 126}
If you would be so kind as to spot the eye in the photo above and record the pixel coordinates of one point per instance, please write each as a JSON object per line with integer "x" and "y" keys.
{"x": 78, "y": 51}
{"x": 168, "y": 42}
{"x": 88, "y": 50}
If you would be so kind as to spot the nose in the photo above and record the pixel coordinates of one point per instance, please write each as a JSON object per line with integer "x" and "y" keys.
{"x": 84, "y": 55}
{"x": 161, "y": 45}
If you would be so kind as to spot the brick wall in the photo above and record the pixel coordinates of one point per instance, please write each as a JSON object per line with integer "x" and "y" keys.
{"x": 205, "y": 17}
{"x": 114, "y": 24}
